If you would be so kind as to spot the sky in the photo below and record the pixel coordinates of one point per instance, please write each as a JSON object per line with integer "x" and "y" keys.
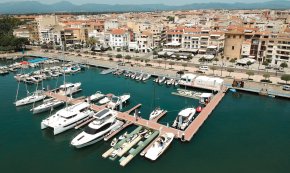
{"x": 167, "y": 2}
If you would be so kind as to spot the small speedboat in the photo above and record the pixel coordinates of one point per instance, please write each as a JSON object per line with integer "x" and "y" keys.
{"x": 104, "y": 100}
{"x": 114, "y": 142}
{"x": 159, "y": 146}
{"x": 155, "y": 113}
{"x": 123, "y": 136}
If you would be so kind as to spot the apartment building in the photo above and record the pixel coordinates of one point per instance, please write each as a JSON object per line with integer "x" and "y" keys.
{"x": 119, "y": 38}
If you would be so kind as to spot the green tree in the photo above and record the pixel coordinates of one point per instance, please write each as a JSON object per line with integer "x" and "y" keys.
{"x": 171, "y": 64}
{"x": 265, "y": 63}
{"x": 266, "y": 76}
{"x": 285, "y": 77}
{"x": 146, "y": 61}
{"x": 184, "y": 65}
{"x": 249, "y": 63}
{"x": 232, "y": 61}
{"x": 159, "y": 62}
{"x": 284, "y": 65}
{"x": 250, "y": 73}
{"x": 91, "y": 41}
{"x": 213, "y": 69}
{"x": 128, "y": 57}
{"x": 118, "y": 56}
{"x": 230, "y": 71}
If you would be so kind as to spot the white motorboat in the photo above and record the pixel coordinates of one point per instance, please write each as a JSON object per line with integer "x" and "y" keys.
{"x": 155, "y": 113}
{"x": 161, "y": 79}
{"x": 183, "y": 118}
{"x": 47, "y": 105}
{"x": 69, "y": 88}
{"x": 146, "y": 77}
{"x": 133, "y": 75}
{"x": 95, "y": 97}
{"x": 169, "y": 82}
{"x": 114, "y": 142}
{"x": 104, "y": 100}
{"x": 161, "y": 144}
{"x": 139, "y": 76}
{"x": 118, "y": 101}
{"x": 96, "y": 130}
{"x": 35, "y": 97}
{"x": 67, "y": 118}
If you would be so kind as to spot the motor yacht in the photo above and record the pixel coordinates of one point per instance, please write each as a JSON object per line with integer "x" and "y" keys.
{"x": 183, "y": 118}
{"x": 105, "y": 121}
{"x": 161, "y": 144}
{"x": 67, "y": 118}
{"x": 35, "y": 97}
{"x": 95, "y": 97}
{"x": 69, "y": 88}
{"x": 118, "y": 101}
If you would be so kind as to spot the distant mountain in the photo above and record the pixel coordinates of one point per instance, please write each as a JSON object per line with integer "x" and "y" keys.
{"x": 65, "y": 6}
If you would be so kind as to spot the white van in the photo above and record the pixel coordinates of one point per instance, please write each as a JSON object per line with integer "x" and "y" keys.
{"x": 205, "y": 68}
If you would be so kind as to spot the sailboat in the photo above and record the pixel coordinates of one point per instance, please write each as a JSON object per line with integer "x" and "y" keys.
{"x": 38, "y": 95}
{"x": 157, "y": 111}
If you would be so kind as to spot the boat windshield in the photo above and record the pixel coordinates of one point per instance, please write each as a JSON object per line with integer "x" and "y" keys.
{"x": 115, "y": 99}
{"x": 93, "y": 131}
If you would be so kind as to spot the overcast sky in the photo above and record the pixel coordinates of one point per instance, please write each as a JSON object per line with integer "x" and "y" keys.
{"x": 167, "y": 2}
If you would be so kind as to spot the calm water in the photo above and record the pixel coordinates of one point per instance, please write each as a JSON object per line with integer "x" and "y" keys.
{"x": 244, "y": 134}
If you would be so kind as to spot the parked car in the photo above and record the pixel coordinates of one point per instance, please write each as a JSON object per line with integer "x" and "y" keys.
{"x": 286, "y": 87}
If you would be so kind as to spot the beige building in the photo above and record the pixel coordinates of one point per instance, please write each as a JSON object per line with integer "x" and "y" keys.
{"x": 233, "y": 44}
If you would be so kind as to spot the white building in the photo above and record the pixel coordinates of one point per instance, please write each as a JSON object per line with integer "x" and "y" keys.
{"x": 119, "y": 38}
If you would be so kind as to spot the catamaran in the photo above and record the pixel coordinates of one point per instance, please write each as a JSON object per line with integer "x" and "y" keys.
{"x": 68, "y": 117}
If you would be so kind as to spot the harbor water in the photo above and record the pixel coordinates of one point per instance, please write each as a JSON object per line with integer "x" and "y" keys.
{"x": 245, "y": 133}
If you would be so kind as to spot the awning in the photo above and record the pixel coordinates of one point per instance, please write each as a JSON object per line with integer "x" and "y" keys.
{"x": 173, "y": 44}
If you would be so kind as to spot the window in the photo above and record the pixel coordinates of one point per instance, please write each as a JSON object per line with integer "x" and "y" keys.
{"x": 234, "y": 36}
{"x": 233, "y": 47}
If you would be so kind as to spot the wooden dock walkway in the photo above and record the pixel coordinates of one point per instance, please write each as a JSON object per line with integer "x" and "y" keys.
{"x": 152, "y": 124}
{"x": 199, "y": 120}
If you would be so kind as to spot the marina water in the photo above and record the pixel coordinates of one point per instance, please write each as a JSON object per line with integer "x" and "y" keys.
{"x": 245, "y": 133}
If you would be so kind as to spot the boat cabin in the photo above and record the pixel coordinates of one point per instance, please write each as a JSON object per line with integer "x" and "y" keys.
{"x": 205, "y": 98}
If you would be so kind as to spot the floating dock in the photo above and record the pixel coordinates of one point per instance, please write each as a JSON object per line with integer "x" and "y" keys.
{"x": 123, "y": 146}
{"x": 133, "y": 152}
